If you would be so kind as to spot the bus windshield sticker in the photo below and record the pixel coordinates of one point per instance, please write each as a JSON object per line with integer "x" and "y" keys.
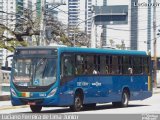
{"x": 36, "y": 82}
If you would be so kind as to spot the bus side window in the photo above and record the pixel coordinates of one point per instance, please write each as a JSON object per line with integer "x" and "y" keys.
{"x": 89, "y": 64}
{"x": 107, "y": 70}
{"x": 126, "y": 65}
{"x": 137, "y": 65}
{"x": 79, "y": 68}
{"x": 115, "y": 67}
{"x": 67, "y": 65}
{"x": 103, "y": 69}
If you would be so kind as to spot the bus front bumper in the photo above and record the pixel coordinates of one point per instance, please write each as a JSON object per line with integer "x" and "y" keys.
{"x": 52, "y": 101}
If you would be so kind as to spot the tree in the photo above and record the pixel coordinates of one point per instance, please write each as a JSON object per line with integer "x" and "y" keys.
{"x": 10, "y": 38}
{"x": 121, "y": 46}
{"x": 111, "y": 42}
{"x": 29, "y": 26}
{"x": 82, "y": 39}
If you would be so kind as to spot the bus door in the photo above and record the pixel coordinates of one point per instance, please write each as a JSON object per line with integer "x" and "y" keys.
{"x": 67, "y": 76}
{"x": 67, "y": 68}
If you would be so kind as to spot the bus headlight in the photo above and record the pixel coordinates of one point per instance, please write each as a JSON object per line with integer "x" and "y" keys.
{"x": 13, "y": 92}
{"x": 52, "y": 92}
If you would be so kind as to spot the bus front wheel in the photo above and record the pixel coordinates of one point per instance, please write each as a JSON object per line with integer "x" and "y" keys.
{"x": 77, "y": 106}
{"x": 36, "y": 108}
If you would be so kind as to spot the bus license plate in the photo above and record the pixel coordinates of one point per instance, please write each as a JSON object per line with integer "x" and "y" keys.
{"x": 31, "y": 103}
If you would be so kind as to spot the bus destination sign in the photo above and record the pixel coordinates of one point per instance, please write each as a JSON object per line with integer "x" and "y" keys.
{"x": 36, "y": 52}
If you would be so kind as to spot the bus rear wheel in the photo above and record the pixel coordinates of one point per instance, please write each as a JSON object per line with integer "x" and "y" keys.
{"x": 36, "y": 108}
{"x": 77, "y": 106}
{"x": 124, "y": 100}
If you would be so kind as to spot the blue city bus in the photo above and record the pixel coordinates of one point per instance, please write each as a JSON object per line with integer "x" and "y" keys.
{"x": 78, "y": 77}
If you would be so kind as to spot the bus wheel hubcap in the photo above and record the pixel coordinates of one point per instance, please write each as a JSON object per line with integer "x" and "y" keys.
{"x": 125, "y": 99}
{"x": 78, "y": 103}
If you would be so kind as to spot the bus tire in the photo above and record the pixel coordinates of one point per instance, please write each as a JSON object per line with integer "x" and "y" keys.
{"x": 78, "y": 103}
{"x": 36, "y": 108}
{"x": 124, "y": 100}
{"x": 89, "y": 106}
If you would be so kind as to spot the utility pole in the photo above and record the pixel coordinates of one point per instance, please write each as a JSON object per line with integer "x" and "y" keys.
{"x": 155, "y": 47}
{"x": 42, "y": 23}
{"x": 104, "y": 27}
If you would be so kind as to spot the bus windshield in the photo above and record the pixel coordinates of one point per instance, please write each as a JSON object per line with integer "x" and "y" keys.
{"x": 34, "y": 71}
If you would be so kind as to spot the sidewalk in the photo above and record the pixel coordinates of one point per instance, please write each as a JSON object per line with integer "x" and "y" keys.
{"x": 156, "y": 90}
{"x": 5, "y": 105}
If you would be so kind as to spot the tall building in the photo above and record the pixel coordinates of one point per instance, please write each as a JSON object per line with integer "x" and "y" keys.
{"x": 38, "y": 8}
{"x": 9, "y": 15}
{"x": 88, "y": 15}
{"x": 79, "y": 13}
{"x": 73, "y": 15}
{"x": 27, "y": 4}
{"x": 135, "y": 33}
{"x": 8, "y": 19}
{"x": 28, "y": 13}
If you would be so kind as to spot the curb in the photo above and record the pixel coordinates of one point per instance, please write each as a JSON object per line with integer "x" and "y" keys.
{"x": 5, "y": 98}
{"x": 13, "y": 107}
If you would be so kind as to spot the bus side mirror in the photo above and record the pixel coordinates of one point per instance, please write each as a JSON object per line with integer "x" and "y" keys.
{"x": 6, "y": 68}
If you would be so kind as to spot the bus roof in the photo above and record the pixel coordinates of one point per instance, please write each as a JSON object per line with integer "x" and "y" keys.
{"x": 89, "y": 50}
{"x": 102, "y": 51}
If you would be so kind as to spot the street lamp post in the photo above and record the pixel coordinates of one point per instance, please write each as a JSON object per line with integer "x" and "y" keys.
{"x": 155, "y": 46}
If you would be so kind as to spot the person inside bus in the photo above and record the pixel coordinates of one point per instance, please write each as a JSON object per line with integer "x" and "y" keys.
{"x": 107, "y": 69}
{"x": 130, "y": 70}
{"x": 85, "y": 71}
{"x": 68, "y": 67}
{"x": 95, "y": 71}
